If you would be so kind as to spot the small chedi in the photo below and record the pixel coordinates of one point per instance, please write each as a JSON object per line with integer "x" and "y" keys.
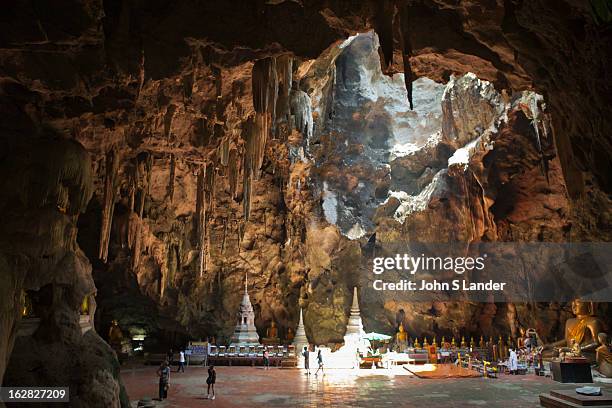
{"x": 245, "y": 332}
{"x": 581, "y": 332}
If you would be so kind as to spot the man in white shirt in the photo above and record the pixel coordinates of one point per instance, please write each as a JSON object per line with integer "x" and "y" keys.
{"x": 181, "y": 366}
{"x": 513, "y": 362}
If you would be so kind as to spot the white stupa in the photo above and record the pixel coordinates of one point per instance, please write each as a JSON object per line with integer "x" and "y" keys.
{"x": 300, "y": 340}
{"x": 354, "y": 340}
{"x": 245, "y": 332}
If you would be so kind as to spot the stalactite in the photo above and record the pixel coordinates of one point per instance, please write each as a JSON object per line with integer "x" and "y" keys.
{"x": 148, "y": 169}
{"x": 201, "y": 217}
{"x": 247, "y": 190}
{"x": 170, "y": 190}
{"x": 108, "y": 202}
{"x": 209, "y": 188}
{"x": 284, "y": 73}
{"x": 535, "y": 122}
{"x": 403, "y": 22}
{"x": 258, "y": 139}
{"x": 265, "y": 86}
{"x": 223, "y": 241}
{"x": 137, "y": 245}
{"x": 233, "y": 171}
{"x": 301, "y": 108}
{"x": 224, "y": 147}
{"x": 265, "y": 93}
{"x": 384, "y": 28}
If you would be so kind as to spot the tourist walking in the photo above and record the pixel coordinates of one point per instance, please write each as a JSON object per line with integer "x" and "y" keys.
{"x": 170, "y": 357}
{"x": 306, "y": 355}
{"x": 181, "y": 366}
{"x": 266, "y": 359}
{"x": 212, "y": 378}
{"x": 513, "y": 362}
{"x": 320, "y": 361}
{"x": 163, "y": 372}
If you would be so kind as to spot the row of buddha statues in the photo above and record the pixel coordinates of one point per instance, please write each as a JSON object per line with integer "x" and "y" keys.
{"x": 584, "y": 335}
{"x": 272, "y": 337}
{"x": 499, "y": 348}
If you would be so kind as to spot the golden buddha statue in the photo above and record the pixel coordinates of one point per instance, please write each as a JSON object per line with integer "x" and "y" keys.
{"x": 417, "y": 344}
{"x": 85, "y": 306}
{"x": 271, "y": 335}
{"x": 472, "y": 342}
{"x": 481, "y": 343}
{"x": 272, "y": 332}
{"x": 290, "y": 335}
{"x": 115, "y": 335}
{"x": 401, "y": 335}
{"x": 582, "y": 329}
{"x": 27, "y": 308}
{"x": 500, "y": 348}
{"x": 520, "y": 341}
{"x": 425, "y": 342}
{"x": 463, "y": 343}
{"x": 603, "y": 356}
{"x": 434, "y": 342}
{"x": 453, "y": 343}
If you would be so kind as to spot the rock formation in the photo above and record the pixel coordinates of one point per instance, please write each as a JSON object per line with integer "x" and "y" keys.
{"x": 153, "y": 154}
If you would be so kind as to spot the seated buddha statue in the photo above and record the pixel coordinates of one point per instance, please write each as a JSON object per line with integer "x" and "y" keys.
{"x": 453, "y": 343}
{"x": 481, "y": 343}
{"x": 271, "y": 335}
{"x": 463, "y": 343}
{"x": 603, "y": 356}
{"x": 115, "y": 335}
{"x": 290, "y": 335}
{"x": 582, "y": 329}
{"x": 417, "y": 345}
{"x": 472, "y": 342}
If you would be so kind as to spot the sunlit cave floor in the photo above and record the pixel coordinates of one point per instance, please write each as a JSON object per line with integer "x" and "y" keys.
{"x": 255, "y": 387}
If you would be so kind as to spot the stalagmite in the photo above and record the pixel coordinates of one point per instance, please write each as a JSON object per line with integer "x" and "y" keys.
{"x": 108, "y": 202}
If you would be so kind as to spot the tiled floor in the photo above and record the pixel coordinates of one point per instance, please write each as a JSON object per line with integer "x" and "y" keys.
{"x": 255, "y": 387}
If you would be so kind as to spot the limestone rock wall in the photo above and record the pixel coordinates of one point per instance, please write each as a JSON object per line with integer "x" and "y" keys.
{"x": 187, "y": 125}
